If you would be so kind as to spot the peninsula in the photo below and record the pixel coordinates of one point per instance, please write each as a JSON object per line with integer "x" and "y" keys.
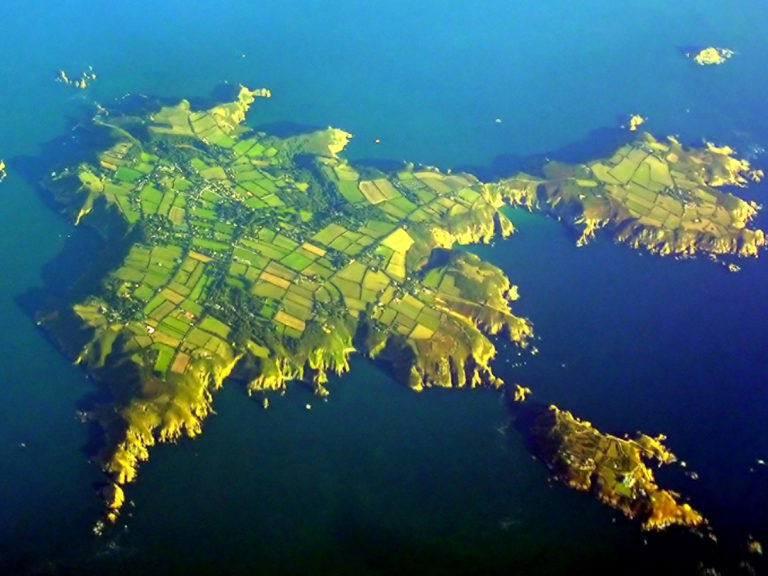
{"x": 277, "y": 258}
{"x": 654, "y": 195}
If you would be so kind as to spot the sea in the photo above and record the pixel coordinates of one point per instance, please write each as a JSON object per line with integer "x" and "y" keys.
{"x": 379, "y": 480}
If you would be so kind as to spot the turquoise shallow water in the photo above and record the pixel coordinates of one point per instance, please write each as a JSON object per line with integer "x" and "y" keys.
{"x": 379, "y": 479}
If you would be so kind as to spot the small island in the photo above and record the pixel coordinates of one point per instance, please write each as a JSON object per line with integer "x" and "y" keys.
{"x": 81, "y": 82}
{"x": 240, "y": 253}
{"x": 614, "y": 469}
{"x": 711, "y": 56}
{"x": 635, "y": 121}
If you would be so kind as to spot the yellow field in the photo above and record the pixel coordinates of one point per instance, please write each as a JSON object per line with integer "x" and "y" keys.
{"x": 421, "y": 332}
{"x": 199, "y": 257}
{"x": 399, "y": 241}
{"x": 313, "y": 249}
{"x": 396, "y": 266}
{"x": 275, "y": 280}
{"x": 290, "y": 321}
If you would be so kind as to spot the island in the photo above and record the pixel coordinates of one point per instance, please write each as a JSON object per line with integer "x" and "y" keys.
{"x": 2, "y": 170}
{"x": 81, "y": 82}
{"x": 614, "y": 469}
{"x": 711, "y": 56}
{"x": 273, "y": 259}
{"x": 635, "y": 121}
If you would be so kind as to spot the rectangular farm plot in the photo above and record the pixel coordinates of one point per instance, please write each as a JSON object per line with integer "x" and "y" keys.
{"x": 172, "y": 296}
{"x": 197, "y": 338}
{"x": 329, "y": 234}
{"x": 250, "y": 257}
{"x": 350, "y": 192}
{"x": 321, "y": 268}
{"x": 164, "y": 357}
{"x": 396, "y": 266}
{"x": 214, "y": 326}
{"x": 421, "y": 332}
{"x": 128, "y": 274}
{"x": 290, "y": 321}
{"x": 399, "y": 241}
{"x": 275, "y": 280}
{"x": 199, "y": 257}
{"x": 125, "y": 174}
{"x": 386, "y": 188}
{"x": 265, "y": 249}
{"x": 353, "y": 272}
{"x": 376, "y": 228}
{"x": 166, "y": 203}
{"x": 298, "y": 260}
{"x": 256, "y": 151}
{"x": 435, "y": 181}
{"x": 347, "y": 288}
{"x": 398, "y": 208}
{"x": 300, "y": 310}
{"x": 409, "y": 306}
{"x": 624, "y": 170}
{"x": 180, "y": 363}
{"x": 211, "y": 245}
{"x": 280, "y": 271}
{"x": 317, "y": 251}
{"x": 372, "y": 192}
{"x": 242, "y": 147}
{"x": 375, "y": 281}
{"x": 161, "y": 311}
{"x": 143, "y": 293}
{"x": 341, "y": 243}
{"x": 150, "y": 199}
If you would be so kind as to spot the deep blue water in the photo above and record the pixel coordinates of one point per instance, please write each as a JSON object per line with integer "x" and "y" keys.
{"x": 379, "y": 479}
